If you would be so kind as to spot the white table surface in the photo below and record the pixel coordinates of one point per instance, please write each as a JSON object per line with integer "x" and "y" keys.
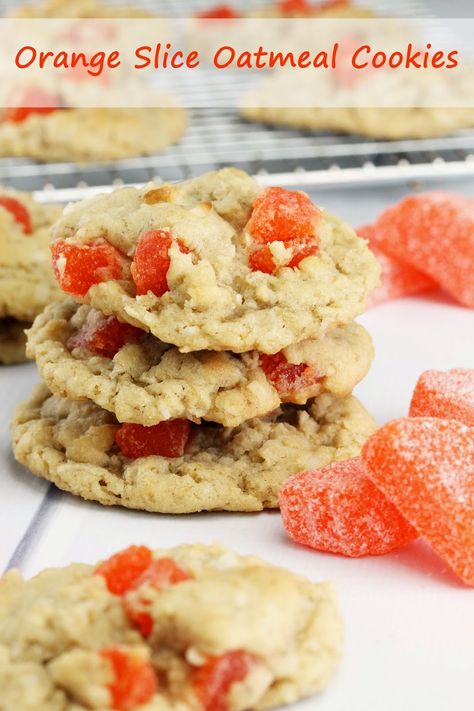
{"x": 409, "y": 622}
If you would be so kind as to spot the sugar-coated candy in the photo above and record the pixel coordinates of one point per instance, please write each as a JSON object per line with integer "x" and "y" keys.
{"x": 105, "y": 338}
{"x": 338, "y": 509}
{"x": 35, "y": 101}
{"x": 449, "y": 395}
{"x": 397, "y": 279}
{"x": 282, "y": 215}
{"x": 18, "y": 211}
{"x": 434, "y": 232}
{"x": 426, "y": 467}
{"x": 288, "y": 378}
{"x": 77, "y": 267}
{"x": 152, "y": 261}
{"x": 123, "y": 569}
{"x": 166, "y": 439}
{"x": 134, "y": 680}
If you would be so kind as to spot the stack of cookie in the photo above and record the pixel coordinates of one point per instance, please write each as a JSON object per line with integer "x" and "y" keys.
{"x": 208, "y": 352}
{"x": 27, "y": 283}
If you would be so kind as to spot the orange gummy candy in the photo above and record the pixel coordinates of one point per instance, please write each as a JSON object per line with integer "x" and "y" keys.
{"x": 434, "y": 232}
{"x": 152, "y": 261}
{"x": 337, "y": 509}
{"x": 35, "y": 101}
{"x": 426, "y": 467}
{"x": 166, "y": 439}
{"x": 219, "y": 12}
{"x": 19, "y": 212}
{"x": 134, "y": 680}
{"x": 105, "y": 338}
{"x": 77, "y": 267}
{"x": 449, "y": 395}
{"x": 397, "y": 278}
{"x": 123, "y": 569}
{"x": 213, "y": 681}
{"x": 282, "y": 215}
{"x": 288, "y": 378}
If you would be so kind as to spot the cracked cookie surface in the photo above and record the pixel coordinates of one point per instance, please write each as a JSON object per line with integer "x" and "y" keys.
{"x": 148, "y": 381}
{"x": 57, "y": 631}
{"x": 27, "y": 283}
{"x": 211, "y": 298}
{"x": 73, "y": 445}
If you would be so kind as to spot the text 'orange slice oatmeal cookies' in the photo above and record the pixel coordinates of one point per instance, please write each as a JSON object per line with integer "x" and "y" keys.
{"x": 177, "y": 467}
{"x": 223, "y": 631}
{"x": 215, "y": 263}
{"x": 82, "y": 354}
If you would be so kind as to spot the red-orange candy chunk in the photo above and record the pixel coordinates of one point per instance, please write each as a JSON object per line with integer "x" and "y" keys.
{"x": 106, "y": 338}
{"x": 290, "y": 7}
{"x": 166, "y": 439}
{"x": 123, "y": 569}
{"x": 160, "y": 574}
{"x": 426, "y": 467}
{"x": 449, "y": 395}
{"x": 219, "y": 12}
{"x": 35, "y": 101}
{"x": 434, "y": 233}
{"x": 282, "y": 215}
{"x": 288, "y": 378}
{"x": 152, "y": 261}
{"x": 338, "y": 509}
{"x": 19, "y": 212}
{"x": 77, "y": 267}
{"x": 397, "y": 278}
{"x": 214, "y": 680}
{"x": 261, "y": 258}
{"x": 134, "y": 681}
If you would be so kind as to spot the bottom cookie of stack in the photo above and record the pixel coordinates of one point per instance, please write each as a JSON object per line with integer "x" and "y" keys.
{"x": 74, "y": 445}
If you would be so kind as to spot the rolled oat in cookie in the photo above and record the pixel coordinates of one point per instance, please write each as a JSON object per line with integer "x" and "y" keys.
{"x": 215, "y": 263}
{"x": 82, "y": 354}
{"x": 27, "y": 283}
{"x": 191, "y": 628}
{"x": 178, "y": 467}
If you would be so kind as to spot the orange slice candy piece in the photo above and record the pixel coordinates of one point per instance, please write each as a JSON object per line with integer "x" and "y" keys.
{"x": 397, "y": 278}
{"x": 123, "y": 569}
{"x": 106, "y": 338}
{"x": 282, "y": 215}
{"x": 219, "y": 12}
{"x": 288, "y": 378}
{"x": 338, "y": 509}
{"x": 35, "y": 101}
{"x": 425, "y": 466}
{"x": 166, "y": 439}
{"x": 434, "y": 233}
{"x": 449, "y": 395}
{"x": 134, "y": 681}
{"x": 77, "y": 267}
{"x": 213, "y": 681}
{"x": 152, "y": 261}
{"x": 19, "y": 212}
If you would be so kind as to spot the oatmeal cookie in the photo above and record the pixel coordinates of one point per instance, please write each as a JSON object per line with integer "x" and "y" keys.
{"x": 92, "y": 134}
{"x": 215, "y": 263}
{"x": 82, "y": 354}
{"x": 171, "y": 614}
{"x": 27, "y": 283}
{"x": 12, "y": 341}
{"x": 76, "y": 9}
{"x": 84, "y": 450}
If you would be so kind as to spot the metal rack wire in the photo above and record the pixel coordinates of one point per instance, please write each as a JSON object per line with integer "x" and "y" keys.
{"x": 218, "y": 137}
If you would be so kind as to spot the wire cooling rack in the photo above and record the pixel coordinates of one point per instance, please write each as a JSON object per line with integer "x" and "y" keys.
{"x": 218, "y": 137}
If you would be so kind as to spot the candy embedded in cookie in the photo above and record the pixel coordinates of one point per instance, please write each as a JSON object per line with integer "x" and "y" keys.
{"x": 218, "y": 12}
{"x": 338, "y": 509}
{"x": 83, "y": 354}
{"x": 19, "y": 212}
{"x": 218, "y": 468}
{"x": 397, "y": 278}
{"x": 178, "y": 264}
{"x": 203, "y": 649}
{"x": 433, "y": 232}
{"x": 425, "y": 466}
{"x": 34, "y": 101}
{"x": 448, "y": 395}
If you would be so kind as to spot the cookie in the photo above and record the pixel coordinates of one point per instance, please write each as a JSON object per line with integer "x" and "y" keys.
{"x": 12, "y": 341}
{"x": 27, "y": 283}
{"x": 143, "y": 380}
{"x": 65, "y": 634}
{"x": 92, "y": 134}
{"x": 74, "y": 445}
{"x": 190, "y": 263}
{"x": 390, "y": 123}
{"x": 76, "y": 9}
